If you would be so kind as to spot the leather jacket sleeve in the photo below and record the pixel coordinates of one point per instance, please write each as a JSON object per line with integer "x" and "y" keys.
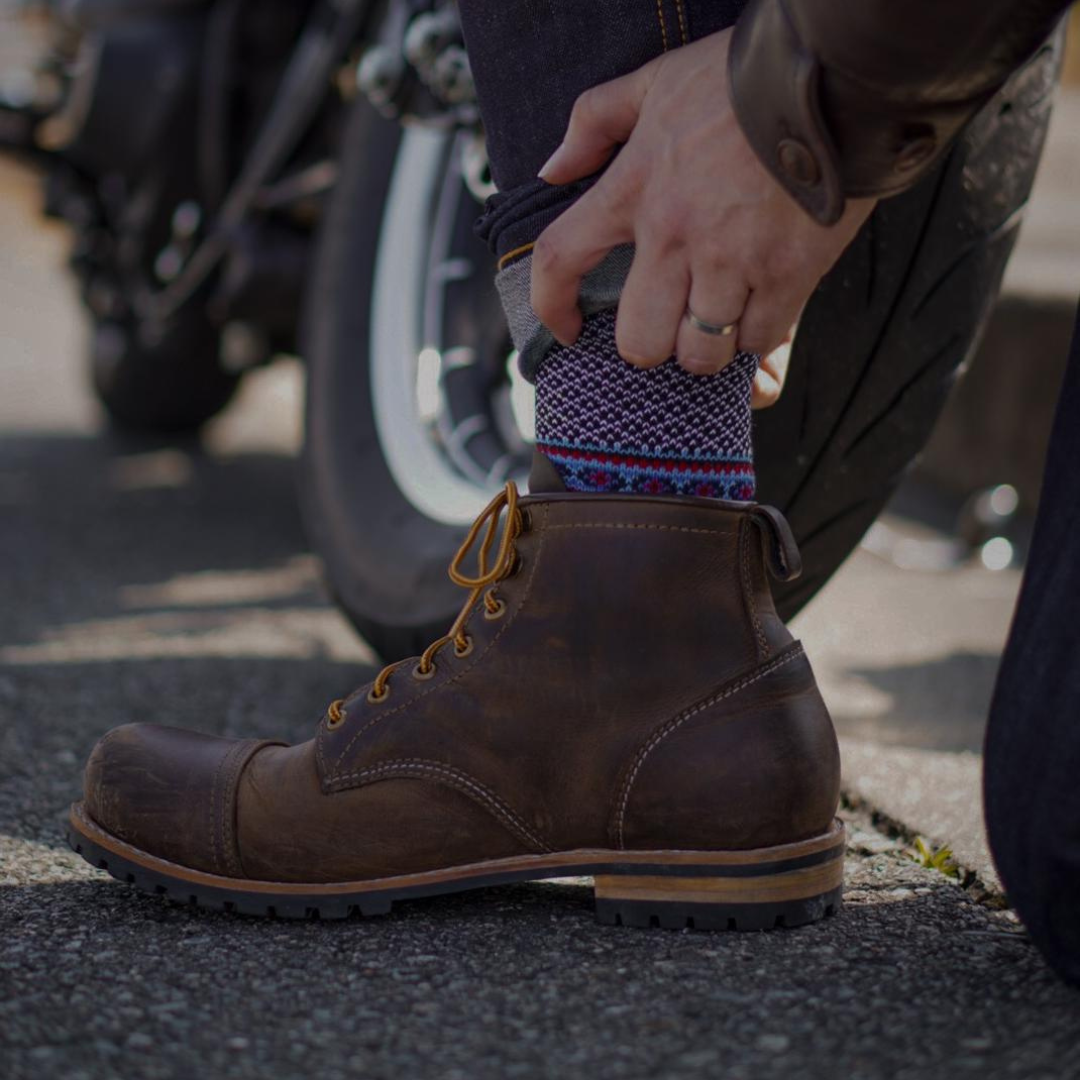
{"x": 861, "y": 97}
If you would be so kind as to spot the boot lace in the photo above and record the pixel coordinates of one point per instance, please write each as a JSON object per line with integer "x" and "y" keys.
{"x": 482, "y": 585}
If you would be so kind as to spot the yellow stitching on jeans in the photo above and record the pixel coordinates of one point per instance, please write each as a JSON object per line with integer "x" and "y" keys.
{"x": 660, "y": 16}
{"x": 682, "y": 22}
{"x": 512, "y": 254}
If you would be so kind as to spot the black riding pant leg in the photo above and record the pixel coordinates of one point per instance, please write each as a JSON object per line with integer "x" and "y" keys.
{"x": 1032, "y": 778}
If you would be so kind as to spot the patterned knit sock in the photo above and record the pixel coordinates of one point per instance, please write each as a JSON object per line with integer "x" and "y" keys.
{"x": 608, "y": 426}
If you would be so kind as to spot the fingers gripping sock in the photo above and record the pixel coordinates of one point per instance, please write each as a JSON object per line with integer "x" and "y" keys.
{"x": 608, "y": 426}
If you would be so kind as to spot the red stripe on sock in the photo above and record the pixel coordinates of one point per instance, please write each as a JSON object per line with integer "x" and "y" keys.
{"x": 736, "y": 468}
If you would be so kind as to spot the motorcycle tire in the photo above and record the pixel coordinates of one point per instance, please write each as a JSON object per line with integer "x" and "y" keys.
{"x": 169, "y": 385}
{"x": 386, "y": 490}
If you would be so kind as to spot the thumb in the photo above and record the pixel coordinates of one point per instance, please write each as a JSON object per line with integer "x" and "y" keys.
{"x": 602, "y": 119}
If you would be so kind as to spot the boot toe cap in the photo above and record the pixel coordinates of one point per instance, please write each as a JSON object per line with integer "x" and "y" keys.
{"x": 170, "y": 793}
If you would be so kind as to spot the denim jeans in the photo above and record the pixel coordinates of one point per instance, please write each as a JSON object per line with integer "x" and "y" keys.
{"x": 530, "y": 60}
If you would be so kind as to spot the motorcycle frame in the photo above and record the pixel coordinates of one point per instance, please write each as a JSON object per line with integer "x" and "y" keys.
{"x": 303, "y": 90}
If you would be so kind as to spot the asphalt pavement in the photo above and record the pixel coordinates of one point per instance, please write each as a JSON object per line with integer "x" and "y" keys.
{"x": 174, "y": 584}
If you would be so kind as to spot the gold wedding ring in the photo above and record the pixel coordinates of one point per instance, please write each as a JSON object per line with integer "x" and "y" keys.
{"x": 712, "y": 329}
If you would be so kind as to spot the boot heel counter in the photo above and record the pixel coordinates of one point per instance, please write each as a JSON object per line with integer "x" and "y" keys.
{"x": 756, "y": 766}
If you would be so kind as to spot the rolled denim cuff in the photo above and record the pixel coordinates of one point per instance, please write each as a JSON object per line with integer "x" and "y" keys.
{"x": 600, "y": 290}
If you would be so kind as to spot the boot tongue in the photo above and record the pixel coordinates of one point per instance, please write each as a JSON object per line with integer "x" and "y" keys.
{"x": 544, "y": 478}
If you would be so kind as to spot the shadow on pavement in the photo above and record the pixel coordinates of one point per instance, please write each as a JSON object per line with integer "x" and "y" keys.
{"x": 84, "y": 516}
{"x": 958, "y": 687}
{"x": 142, "y": 582}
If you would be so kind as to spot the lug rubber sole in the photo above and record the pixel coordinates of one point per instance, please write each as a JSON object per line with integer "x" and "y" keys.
{"x": 785, "y": 886}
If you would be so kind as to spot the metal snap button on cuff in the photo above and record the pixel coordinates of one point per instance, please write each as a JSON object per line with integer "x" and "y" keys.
{"x": 798, "y": 162}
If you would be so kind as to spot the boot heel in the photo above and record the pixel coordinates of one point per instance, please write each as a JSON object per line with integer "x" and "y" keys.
{"x": 757, "y": 894}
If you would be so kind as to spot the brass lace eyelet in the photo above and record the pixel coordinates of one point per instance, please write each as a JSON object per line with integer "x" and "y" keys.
{"x": 335, "y": 714}
{"x": 524, "y": 521}
{"x": 491, "y": 540}
{"x": 516, "y": 565}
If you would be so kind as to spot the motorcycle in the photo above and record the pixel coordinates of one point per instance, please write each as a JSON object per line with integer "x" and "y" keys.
{"x": 244, "y": 179}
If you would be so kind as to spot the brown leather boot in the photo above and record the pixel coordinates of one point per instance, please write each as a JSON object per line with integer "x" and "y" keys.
{"x": 618, "y": 698}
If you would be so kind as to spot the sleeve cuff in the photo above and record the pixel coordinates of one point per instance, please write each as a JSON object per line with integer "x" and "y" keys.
{"x": 775, "y": 84}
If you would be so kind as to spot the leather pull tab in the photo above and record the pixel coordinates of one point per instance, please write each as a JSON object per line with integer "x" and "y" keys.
{"x": 781, "y": 551}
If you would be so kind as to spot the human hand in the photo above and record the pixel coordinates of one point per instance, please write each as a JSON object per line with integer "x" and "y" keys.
{"x": 714, "y": 232}
{"x": 771, "y": 374}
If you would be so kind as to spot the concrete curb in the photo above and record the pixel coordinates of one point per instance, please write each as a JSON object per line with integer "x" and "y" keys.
{"x": 926, "y": 793}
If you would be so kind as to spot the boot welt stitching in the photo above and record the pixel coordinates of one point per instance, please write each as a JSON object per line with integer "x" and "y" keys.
{"x": 217, "y": 843}
{"x": 241, "y": 755}
{"x": 470, "y": 786}
{"x": 636, "y": 525}
{"x": 455, "y": 677}
{"x": 220, "y": 823}
{"x": 791, "y": 653}
{"x": 320, "y": 757}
